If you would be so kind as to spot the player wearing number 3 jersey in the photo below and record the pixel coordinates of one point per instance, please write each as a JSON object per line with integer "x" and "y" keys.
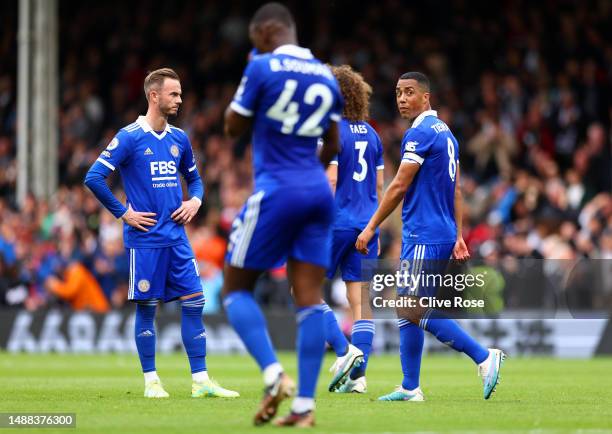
{"x": 357, "y": 174}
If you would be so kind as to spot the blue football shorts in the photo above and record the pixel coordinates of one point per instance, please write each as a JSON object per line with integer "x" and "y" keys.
{"x": 281, "y": 222}
{"x": 164, "y": 273}
{"x": 422, "y": 264}
{"x": 353, "y": 265}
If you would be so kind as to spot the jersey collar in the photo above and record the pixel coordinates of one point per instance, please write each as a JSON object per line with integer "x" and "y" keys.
{"x": 142, "y": 121}
{"x": 422, "y": 116}
{"x": 295, "y": 51}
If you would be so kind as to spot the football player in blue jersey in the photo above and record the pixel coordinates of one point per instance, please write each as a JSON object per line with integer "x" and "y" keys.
{"x": 428, "y": 181}
{"x": 356, "y": 175}
{"x": 289, "y": 100}
{"x": 149, "y": 154}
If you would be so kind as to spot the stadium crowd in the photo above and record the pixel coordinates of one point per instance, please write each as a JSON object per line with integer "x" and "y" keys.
{"x": 525, "y": 87}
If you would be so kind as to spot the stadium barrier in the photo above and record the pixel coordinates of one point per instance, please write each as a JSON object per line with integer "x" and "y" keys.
{"x": 66, "y": 331}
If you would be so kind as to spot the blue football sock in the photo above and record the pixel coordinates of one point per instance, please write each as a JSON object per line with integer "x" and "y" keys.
{"x": 333, "y": 334}
{"x": 450, "y": 333}
{"x": 144, "y": 333}
{"x": 411, "y": 352}
{"x": 193, "y": 332}
{"x": 310, "y": 348}
{"x": 362, "y": 337}
{"x": 246, "y": 317}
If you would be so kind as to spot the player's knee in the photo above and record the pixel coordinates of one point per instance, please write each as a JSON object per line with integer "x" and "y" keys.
{"x": 238, "y": 279}
{"x": 192, "y": 296}
{"x": 412, "y": 314}
{"x": 193, "y": 303}
{"x": 307, "y": 296}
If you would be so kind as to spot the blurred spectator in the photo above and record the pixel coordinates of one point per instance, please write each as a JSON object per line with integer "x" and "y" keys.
{"x": 79, "y": 288}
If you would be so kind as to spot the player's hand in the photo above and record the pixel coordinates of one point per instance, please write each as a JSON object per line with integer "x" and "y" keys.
{"x": 187, "y": 211}
{"x": 363, "y": 240}
{"x": 138, "y": 220}
{"x": 460, "y": 251}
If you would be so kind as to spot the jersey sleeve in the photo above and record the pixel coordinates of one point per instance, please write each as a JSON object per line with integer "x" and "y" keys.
{"x": 189, "y": 170}
{"x": 415, "y": 146}
{"x": 245, "y": 97}
{"x": 116, "y": 153}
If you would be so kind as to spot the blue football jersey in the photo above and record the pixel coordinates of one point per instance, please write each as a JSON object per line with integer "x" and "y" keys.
{"x": 149, "y": 164}
{"x": 360, "y": 157}
{"x": 292, "y": 98}
{"x": 428, "y": 213}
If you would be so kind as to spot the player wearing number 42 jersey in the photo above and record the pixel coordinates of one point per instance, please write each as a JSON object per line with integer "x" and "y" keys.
{"x": 289, "y": 100}
{"x": 428, "y": 181}
{"x": 150, "y": 154}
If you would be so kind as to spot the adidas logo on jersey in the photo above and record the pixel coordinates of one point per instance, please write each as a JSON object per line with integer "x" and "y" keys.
{"x": 201, "y": 336}
{"x": 146, "y": 333}
{"x": 148, "y": 152}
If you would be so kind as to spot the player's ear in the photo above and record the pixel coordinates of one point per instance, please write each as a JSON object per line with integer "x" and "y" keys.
{"x": 426, "y": 96}
{"x": 153, "y": 96}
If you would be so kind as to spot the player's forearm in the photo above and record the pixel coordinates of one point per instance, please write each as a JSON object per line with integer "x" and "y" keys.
{"x": 96, "y": 182}
{"x": 391, "y": 199}
{"x": 331, "y": 145}
{"x": 332, "y": 176}
{"x": 458, "y": 205}
{"x": 235, "y": 124}
{"x": 328, "y": 152}
{"x": 459, "y": 212}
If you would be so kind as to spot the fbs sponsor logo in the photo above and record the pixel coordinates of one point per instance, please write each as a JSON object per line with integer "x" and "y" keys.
{"x": 144, "y": 285}
{"x": 148, "y": 152}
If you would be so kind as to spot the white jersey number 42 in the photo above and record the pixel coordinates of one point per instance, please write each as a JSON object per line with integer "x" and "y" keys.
{"x": 287, "y": 111}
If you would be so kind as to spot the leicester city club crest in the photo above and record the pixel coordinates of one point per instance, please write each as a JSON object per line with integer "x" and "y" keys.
{"x": 143, "y": 285}
{"x": 174, "y": 150}
{"x": 113, "y": 144}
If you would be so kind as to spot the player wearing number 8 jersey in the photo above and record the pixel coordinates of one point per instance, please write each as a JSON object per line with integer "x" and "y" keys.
{"x": 289, "y": 100}
{"x": 428, "y": 181}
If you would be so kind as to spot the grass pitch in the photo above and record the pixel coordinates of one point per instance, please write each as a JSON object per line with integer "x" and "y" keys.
{"x": 105, "y": 392}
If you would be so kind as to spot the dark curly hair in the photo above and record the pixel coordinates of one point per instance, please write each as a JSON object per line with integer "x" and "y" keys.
{"x": 355, "y": 91}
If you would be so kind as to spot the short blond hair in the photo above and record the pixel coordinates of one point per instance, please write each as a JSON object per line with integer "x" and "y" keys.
{"x": 156, "y": 79}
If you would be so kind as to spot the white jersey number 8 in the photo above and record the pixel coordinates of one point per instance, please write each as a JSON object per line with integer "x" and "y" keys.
{"x": 452, "y": 162}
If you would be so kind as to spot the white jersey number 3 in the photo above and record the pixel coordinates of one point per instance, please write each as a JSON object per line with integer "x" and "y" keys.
{"x": 363, "y": 171}
{"x": 287, "y": 111}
